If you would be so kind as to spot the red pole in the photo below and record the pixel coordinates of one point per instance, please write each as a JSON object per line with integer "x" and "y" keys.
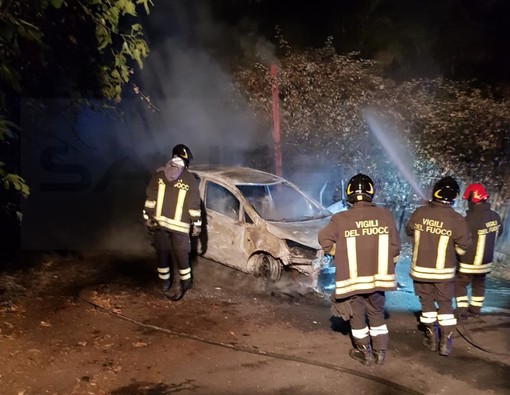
{"x": 276, "y": 122}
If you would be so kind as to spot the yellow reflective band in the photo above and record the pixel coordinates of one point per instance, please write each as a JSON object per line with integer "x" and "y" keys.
{"x": 384, "y": 246}
{"x": 150, "y": 203}
{"x": 194, "y": 213}
{"x": 365, "y": 283}
{"x": 185, "y": 274}
{"x": 427, "y": 320}
{"x": 416, "y": 246}
{"x": 161, "y": 197}
{"x": 432, "y": 270}
{"x": 446, "y": 319}
{"x": 378, "y": 330}
{"x": 351, "y": 257}
{"x": 429, "y": 314}
{"x": 172, "y": 224}
{"x": 459, "y": 250}
{"x": 441, "y": 251}
{"x": 180, "y": 204}
{"x": 360, "y": 333}
{"x": 480, "y": 249}
{"x": 472, "y": 269}
{"x": 164, "y": 273}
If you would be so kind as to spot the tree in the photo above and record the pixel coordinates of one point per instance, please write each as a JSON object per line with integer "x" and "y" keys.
{"x": 449, "y": 127}
{"x": 80, "y": 50}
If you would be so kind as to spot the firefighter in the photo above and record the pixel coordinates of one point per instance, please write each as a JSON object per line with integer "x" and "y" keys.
{"x": 172, "y": 211}
{"x": 366, "y": 244}
{"x": 439, "y": 234}
{"x": 485, "y": 226}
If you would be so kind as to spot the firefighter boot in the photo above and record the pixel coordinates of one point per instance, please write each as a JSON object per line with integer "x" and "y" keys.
{"x": 183, "y": 287}
{"x": 461, "y": 314}
{"x": 362, "y": 354}
{"x": 380, "y": 356}
{"x": 165, "y": 285}
{"x": 431, "y": 336}
{"x": 174, "y": 278}
{"x": 445, "y": 343}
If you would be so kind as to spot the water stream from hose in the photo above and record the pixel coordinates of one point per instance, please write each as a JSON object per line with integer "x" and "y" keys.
{"x": 392, "y": 143}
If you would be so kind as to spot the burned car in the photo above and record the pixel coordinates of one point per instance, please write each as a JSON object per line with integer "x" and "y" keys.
{"x": 259, "y": 223}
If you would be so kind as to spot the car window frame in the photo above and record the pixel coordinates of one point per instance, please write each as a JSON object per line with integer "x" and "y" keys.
{"x": 240, "y": 206}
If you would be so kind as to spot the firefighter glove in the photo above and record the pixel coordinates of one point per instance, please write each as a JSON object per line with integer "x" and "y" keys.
{"x": 331, "y": 250}
{"x": 196, "y": 228}
{"x": 151, "y": 224}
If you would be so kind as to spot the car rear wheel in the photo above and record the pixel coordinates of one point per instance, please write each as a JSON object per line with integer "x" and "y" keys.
{"x": 264, "y": 265}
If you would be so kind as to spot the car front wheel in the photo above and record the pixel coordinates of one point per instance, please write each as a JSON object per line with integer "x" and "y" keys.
{"x": 264, "y": 265}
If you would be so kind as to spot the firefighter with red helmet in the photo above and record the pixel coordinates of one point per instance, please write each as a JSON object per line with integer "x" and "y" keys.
{"x": 485, "y": 226}
{"x": 366, "y": 244}
{"x": 439, "y": 235}
{"x": 172, "y": 212}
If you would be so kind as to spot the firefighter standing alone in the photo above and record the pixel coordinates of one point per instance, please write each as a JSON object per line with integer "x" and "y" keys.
{"x": 366, "y": 245}
{"x": 172, "y": 211}
{"x": 485, "y": 226}
{"x": 439, "y": 234}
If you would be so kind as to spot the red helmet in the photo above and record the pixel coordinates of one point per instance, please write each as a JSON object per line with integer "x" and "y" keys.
{"x": 475, "y": 193}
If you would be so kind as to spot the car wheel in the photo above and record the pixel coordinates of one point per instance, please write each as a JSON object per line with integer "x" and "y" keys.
{"x": 264, "y": 265}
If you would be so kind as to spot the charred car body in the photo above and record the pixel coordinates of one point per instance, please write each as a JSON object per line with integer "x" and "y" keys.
{"x": 259, "y": 223}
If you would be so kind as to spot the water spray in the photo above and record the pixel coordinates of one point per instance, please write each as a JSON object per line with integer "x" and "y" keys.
{"x": 390, "y": 141}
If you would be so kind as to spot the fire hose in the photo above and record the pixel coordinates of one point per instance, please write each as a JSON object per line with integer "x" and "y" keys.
{"x": 249, "y": 350}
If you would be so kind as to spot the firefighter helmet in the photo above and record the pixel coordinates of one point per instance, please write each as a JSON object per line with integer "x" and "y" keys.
{"x": 182, "y": 152}
{"x": 475, "y": 193}
{"x": 360, "y": 187}
{"x": 445, "y": 190}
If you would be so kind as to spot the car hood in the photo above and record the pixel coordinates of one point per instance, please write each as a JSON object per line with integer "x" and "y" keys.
{"x": 304, "y": 232}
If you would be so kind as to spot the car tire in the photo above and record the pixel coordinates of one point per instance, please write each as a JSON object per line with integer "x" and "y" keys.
{"x": 266, "y": 266}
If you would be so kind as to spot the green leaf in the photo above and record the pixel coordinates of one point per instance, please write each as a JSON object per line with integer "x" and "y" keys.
{"x": 103, "y": 37}
{"x": 127, "y": 7}
{"x": 145, "y": 5}
{"x": 57, "y": 3}
{"x": 18, "y": 183}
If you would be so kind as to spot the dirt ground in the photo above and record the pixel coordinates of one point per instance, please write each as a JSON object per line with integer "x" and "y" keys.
{"x": 98, "y": 324}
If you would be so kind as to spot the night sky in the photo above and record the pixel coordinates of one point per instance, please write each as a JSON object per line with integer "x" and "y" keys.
{"x": 455, "y": 38}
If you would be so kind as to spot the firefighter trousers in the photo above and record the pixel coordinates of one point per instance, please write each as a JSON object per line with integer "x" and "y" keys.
{"x": 432, "y": 293}
{"x": 477, "y": 282}
{"x": 369, "y": 308}
{"x": 172, "y": 250}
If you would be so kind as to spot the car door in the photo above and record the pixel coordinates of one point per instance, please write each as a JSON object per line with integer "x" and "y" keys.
{"x": 225, "y": 227}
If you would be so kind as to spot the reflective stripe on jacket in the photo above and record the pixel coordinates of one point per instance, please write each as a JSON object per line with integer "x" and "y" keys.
{"x": 173, "y": 204}
{"x": 439, "y": 234}
{"x": 367, "y": 245}
{"x": 485, "y": 226}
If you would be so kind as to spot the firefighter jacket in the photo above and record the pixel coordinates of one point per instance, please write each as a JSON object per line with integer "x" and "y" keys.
{"x": 439, "y": 234}
{"x": 366, "y": 246}
{"x": 485, "y": 226}
{"x": 174, "y": 204}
